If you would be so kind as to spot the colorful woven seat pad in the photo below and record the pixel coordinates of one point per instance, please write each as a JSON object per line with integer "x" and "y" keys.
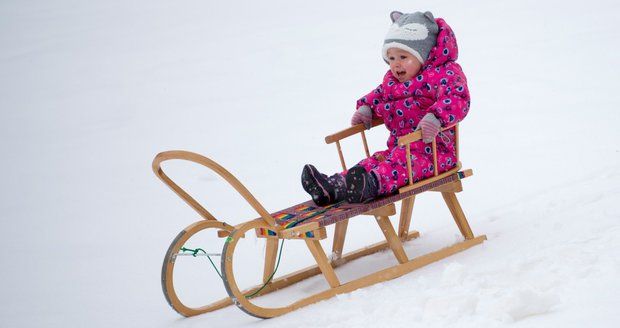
{"x": 268, "y": 232}
{"x": 306, "y": 212}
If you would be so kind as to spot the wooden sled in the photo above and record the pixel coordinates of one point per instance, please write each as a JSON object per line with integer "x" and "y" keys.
{"x": 307, "y": 222}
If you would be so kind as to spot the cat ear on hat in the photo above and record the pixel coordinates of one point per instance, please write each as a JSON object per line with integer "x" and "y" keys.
{"x": 395, "y": 15}
{"x": 429, "y": 15}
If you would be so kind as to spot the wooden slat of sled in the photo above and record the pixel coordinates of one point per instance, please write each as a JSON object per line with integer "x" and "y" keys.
{"x": 339, "y": 235}
{"x": 350, "y": 131}
{"x": 455, "y": 186}
{"x": 428, "y": 181}
{"x": 391, "y": 238}
{"x": 271, "y": 251}
{"x": 405, "y": 217}
{"x": 321, "y": 259}
{"x": 319, "y": 234}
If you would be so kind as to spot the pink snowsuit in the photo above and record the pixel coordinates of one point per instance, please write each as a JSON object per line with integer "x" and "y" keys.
{"x": 439, "y": 88}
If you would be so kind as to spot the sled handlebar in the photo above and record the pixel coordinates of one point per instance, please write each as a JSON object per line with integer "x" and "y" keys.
{"x": 221, "y": 171}
{"x": 350, "y": 131}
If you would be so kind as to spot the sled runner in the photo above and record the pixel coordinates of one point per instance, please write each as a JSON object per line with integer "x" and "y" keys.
{"x": 307, "y": 221}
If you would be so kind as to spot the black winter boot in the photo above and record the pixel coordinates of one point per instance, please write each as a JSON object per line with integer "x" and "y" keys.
{"x": 362, "y": 186}
{"x": 323, "y": 189}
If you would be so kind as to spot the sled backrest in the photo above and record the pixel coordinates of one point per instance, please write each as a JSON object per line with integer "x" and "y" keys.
{"x": 402, "y": 141}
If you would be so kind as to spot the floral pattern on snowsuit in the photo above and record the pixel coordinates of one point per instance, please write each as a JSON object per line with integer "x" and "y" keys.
{"x": 439, "y": 88}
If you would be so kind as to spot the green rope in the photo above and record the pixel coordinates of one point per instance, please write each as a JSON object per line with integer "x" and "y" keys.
{"x": 272, "y": 274}
{"x": 195, "y": 251}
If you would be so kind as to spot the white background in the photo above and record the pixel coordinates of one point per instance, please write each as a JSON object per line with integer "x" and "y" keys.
{"x": 91, "y": 91}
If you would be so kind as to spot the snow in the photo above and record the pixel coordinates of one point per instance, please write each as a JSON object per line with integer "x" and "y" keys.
{"x": 91, "y": 91}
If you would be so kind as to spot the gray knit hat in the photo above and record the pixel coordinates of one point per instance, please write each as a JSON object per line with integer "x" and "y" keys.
{"x": 415, "y": 33}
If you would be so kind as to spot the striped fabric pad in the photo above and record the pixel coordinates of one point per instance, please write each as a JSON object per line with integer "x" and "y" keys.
{"x": 309, "y": 212}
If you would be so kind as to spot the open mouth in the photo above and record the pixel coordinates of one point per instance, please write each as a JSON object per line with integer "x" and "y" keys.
{"x": 401, "y": 74}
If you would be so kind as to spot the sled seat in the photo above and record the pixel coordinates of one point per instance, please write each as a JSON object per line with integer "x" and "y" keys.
{"x": 308, "y": 213}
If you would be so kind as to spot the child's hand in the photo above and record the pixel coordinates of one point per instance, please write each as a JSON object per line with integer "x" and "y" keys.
{"x": 430, "y": 126}
{"x": 362, "y": 115}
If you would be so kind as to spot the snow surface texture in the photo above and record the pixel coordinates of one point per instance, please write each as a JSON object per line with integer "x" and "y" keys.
{"x": 91, "y": 91}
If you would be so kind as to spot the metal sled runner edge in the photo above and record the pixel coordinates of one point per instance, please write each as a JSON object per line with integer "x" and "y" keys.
{"x": 273, "y": 227}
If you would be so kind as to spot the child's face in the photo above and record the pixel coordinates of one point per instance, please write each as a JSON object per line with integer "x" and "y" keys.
{"x": 404, "y": 66}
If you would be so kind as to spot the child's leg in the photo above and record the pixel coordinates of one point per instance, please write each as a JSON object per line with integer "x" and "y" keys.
{"x": 362, "y": 184}
{"x": 372, "y": 161}
{"x": 446, "y": 162}
{"x": 393, "y": 174}
{"x": 446, "y": 156}
{"x": 324, "y": 190}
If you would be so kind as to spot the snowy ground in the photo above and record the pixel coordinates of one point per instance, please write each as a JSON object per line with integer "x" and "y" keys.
{"x": 91, "y": 91}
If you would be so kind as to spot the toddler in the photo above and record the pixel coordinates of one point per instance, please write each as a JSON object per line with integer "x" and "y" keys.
{"x": 423, "y": 89}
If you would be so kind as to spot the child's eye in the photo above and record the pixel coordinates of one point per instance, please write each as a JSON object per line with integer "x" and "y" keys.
{"x": 403, "y": 57}
{"x": 391, "y": 58}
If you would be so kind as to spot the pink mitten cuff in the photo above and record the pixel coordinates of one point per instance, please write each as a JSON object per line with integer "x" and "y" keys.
{"x": 362, "y": 115}
{"x": 430, "y": 126}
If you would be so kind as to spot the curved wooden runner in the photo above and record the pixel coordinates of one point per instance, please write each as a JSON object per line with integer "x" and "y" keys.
{"x": 167, "y": 270}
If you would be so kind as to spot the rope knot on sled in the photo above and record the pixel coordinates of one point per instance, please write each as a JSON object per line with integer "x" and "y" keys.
{"x": 193, "y": 251}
